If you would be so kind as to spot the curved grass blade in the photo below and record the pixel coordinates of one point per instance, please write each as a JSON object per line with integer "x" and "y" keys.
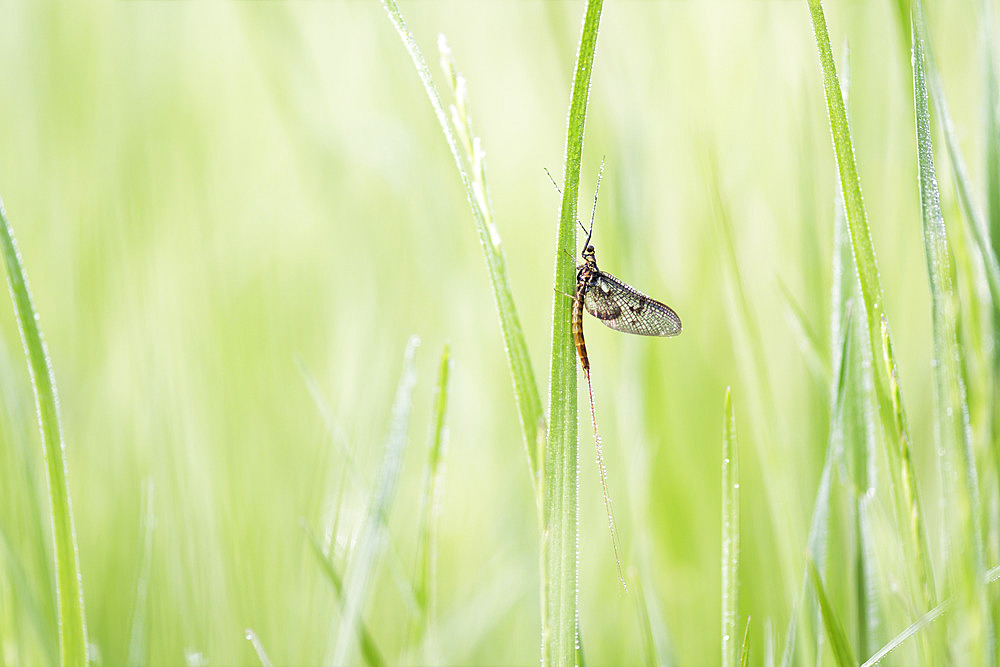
{"x": 69, "y": 587}
{"x": 367, "y": 554}
{"x": 834, "y": 628}
{"x": 730, "y": 534}
{"x": 526, "y": 394}
{"x": 560, "y": 506}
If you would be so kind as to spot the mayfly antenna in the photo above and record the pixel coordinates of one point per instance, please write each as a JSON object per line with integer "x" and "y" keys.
{"x": 593, "y": 213}
{"x": 556, "y": 186}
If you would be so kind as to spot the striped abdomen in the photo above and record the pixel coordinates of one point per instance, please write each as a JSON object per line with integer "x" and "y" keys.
{"x": 581, "y": 346}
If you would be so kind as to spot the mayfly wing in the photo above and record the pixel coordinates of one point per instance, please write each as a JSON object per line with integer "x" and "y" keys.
{"x": 628, "y": 310}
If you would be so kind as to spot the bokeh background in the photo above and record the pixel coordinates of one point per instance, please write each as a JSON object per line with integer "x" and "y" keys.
{"x": 218, "y": 204}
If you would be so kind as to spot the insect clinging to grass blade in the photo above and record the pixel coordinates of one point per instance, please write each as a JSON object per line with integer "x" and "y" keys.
{"x": 617, "y": 305}
{"x": 622, "y": 308}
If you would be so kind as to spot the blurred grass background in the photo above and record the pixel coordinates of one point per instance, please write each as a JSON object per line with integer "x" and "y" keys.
{"x": 209, "y": 197}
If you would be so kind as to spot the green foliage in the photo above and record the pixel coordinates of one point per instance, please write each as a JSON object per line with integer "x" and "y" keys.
{"x": 234, "y": 215}
{"x": 69, "y": 589}
{"x": 470, "y": 160}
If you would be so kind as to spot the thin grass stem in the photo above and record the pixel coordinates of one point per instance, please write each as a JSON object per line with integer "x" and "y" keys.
{"x": 470, "y": 161}
{"x": 69, "y": 586}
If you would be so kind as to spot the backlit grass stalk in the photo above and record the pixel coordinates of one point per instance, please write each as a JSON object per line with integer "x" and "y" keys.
{"x": 974, "y": 220}
{"x": 777, "y": 495}
{"x": 138, "y": 644}
{"x": 560, "y": 506}
{"x": 431, "y": 501}
{"x": 842, "y": 652}
{"x": 649, "y": 654}
{"x": 369, "y": 650}
{"x": 69, "y": 588}
{"x": 367, "y": 553}
{"x": 470, "y": 160}
{"x": 977, "y": 226}
{"x": 952, "y": 417}
{"x": 745, "y": 646}
{"x": 730, "y": 533}
{"x": 871, "y": 294}
{"x": 907, "y": 476}
{"x": 258, "y": 648}
{"x": 991, "y": 100}
{"x": 992, "y": 116}
{"x": 844, "y": 391}
{"x": 922, "y": 623}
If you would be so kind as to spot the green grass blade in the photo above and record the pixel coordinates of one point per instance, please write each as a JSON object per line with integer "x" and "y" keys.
{"x": 991, "y": 576}
{"x": 907, "y": 475}
{"x": 902, "y": 478}
{"x": 976, "y": 224}
{"x": 369, "y": 650}
{"x": 778, "y": 496}
{"x": 560, "y": 506}
{"x": 529, "y": 402}
{"x": 26, "y": 599}
{"x": 818, "y": 525}
{"x": 842, "y": 652}
{"x": 365, "y": 558}
{"x": 864, "y": 252}
{"x": 810, "y": 344}
{"x": 745, "y": 312}
{"x": 258, "y": 648}
{"x": 649, "y": 656}
{"x": 138, "y": 644}
{"x": 917, "y": 625}
{"x": 431, "y": 497}
{"x": 745, "y": 646}
{"x": 992, "y": 115}
{"x": 730, "y": 533}
{"x": 952, "y": 418}
{"x": 69, "y": 587}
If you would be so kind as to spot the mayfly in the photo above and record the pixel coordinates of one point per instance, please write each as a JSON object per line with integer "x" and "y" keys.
{"x": 620, "y": 307}
{"x": 617, "y": 305}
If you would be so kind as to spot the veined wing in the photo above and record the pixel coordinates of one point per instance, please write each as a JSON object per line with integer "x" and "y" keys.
{"x": 628, "y": 310}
